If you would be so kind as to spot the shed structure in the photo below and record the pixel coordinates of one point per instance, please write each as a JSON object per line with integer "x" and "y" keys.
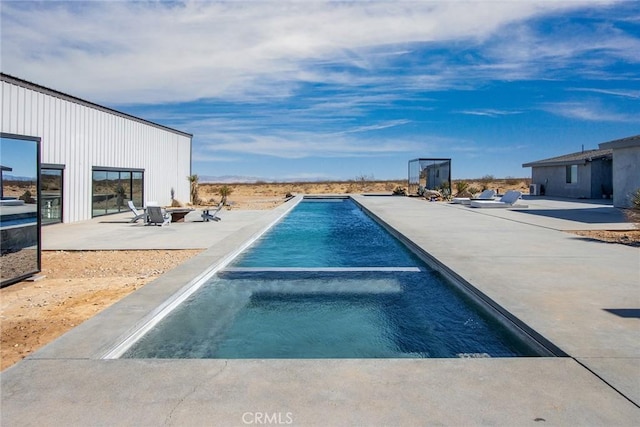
{"x": 429, "y": 174}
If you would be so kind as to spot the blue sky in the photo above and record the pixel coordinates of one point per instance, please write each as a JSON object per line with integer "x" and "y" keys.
{"x": 337, "y": 90}
{"x": 19, "y": 155}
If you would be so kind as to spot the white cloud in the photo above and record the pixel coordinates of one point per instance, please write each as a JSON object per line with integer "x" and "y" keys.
{"x": 633, "y": 94}
{"x": 150, "y": 52}
{"x": 490, "y": 112}
{"x": 589, "y": 111}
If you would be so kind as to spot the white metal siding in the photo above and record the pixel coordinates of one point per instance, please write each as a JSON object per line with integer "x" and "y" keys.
{"x": 81, "y": 137}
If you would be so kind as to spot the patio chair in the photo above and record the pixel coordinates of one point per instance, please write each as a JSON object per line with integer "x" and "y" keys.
{"x": 211, "y": 216}
{"x": 157, "y": 216}
{"x": 137, "y": 214}
{"x": 485, "y": 195}
{"x": 507, "y": 201}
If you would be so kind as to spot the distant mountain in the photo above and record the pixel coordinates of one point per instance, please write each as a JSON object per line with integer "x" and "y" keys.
{"x": 240, "y": 179}
{"x": 7, "y": 177}
{"x": 228, "y": 179}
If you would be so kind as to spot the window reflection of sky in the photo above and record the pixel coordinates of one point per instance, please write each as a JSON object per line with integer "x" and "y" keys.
{"x": 20, "y": 155}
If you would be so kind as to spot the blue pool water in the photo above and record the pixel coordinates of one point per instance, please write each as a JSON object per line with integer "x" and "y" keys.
{"x": 328, "y": 282}
{"x": 18, "y": 221}
{"x": 328, "y": 234}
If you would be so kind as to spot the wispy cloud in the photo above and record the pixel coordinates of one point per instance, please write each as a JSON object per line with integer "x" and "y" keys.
{"x": 490, "y": 112}
{"x": 628, "y": 93}
{"x": 589, "y": 111}
{"x": 149, "y": 52}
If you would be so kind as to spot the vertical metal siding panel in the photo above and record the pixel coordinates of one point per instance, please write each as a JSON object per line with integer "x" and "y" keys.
{"x": 87, "y": 148}
{"x": 5, "y": 90}
{"x": 113, "y": 149}
{"x": 71, "y": 140}
{"x": 26, "y": 113}
{"x": 97, "y": 141}
{"x": 77, "y": 158}
{"x": 19, "y": 111}
{"x": 66, "y": 151}
{"x": 55, "y": 126}
{"x": 41, "y": 127}
{"x": 184, "y": 148}
{"x": 33, "y": 116}
{"x": 50, "y": 152}
{"x": 13, "y": 109}
{"x": 4, "y": 111}
{"x": 108, "y": 140}
{"x": 149, "y": 175}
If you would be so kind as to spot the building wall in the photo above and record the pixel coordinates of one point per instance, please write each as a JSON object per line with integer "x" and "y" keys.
{"x": 554, "y": 180}
{"x": 626, "y": 175}
{"x": 82, "y": 137}
{"x": 601, "y": 178}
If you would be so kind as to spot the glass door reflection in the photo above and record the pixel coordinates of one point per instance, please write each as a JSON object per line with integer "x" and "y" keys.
{"x": 19, "y": 207}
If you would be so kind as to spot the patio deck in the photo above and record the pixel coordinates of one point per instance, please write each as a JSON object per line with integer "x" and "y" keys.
{"x": 579, "y": 294}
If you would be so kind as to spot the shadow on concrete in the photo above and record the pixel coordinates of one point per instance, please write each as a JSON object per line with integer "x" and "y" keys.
{"x": 633, "y": 313}
{"x": 600, "y": 215}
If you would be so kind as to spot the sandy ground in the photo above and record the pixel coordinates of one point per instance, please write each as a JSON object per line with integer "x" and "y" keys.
{"x": 79, "y": 284}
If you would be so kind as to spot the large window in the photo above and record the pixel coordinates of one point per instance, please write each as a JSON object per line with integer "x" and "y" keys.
{"x": 112, "y": 188}
{"x": 572, "y": 174}
{"x": 51, "y": 193}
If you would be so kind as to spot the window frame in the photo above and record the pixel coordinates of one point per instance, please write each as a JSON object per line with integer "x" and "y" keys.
{"x": 571, "y": 174}
{"x": 120, "y": 197}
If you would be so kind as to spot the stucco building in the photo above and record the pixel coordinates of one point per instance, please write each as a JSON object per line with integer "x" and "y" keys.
{"x": 612, "y": 170}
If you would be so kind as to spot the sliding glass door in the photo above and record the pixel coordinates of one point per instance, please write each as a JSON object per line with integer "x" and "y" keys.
{"x": 51, "y": 194}
{"x": 112, "y": 188}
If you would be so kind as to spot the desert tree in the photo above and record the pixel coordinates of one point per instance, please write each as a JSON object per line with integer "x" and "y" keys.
{"x": 193, "y": 182}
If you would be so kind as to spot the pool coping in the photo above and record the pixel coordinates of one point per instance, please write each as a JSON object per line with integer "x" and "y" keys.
{"x": 66, "y": 383}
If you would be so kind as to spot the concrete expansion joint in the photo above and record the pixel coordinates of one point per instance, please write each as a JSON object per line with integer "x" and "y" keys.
{"x": 607, "y": 382}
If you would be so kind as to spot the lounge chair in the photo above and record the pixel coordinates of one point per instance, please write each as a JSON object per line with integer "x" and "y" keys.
{"x": 157, "y": 216}
{"x": 211, "y": 216}
{"x": 136, "y": 212}
{"x": 485, "y": 195}
{"x": 507, "y": 201}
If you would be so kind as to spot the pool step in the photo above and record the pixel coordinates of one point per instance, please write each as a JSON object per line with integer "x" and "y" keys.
{"x": 321, "y": 269}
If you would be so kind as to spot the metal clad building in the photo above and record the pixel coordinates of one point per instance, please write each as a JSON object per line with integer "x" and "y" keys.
{"x": 98, "y": 157}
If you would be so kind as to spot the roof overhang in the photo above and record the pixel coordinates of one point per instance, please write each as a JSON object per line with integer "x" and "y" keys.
{"x": 632, "y": 141}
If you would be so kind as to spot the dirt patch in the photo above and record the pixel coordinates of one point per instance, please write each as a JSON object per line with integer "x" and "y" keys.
{"x": 77, "y": 286}
{"x": 627, "y": 237}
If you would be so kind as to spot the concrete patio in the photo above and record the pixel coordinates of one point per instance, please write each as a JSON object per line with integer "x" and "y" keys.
{"x": 580, "y": 295}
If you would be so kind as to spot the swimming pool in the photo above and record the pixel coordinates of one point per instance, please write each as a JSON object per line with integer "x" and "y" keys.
{"x": 328, "y": 282}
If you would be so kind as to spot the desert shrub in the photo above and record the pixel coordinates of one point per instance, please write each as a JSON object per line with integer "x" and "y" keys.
{"x": 399, "y": 191}
{"x": 27, "y": 197}
{"x": 633, "y": 214}
{"x": 509, "y": 180}
{"x": 461, "y": 187}
{"x": 224, "y": 192}
{"x": 635, "y": 199}
{"x": 445, "y": 190}
{"x": 473, "y": 190}
{"x": 487, "y": 179}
